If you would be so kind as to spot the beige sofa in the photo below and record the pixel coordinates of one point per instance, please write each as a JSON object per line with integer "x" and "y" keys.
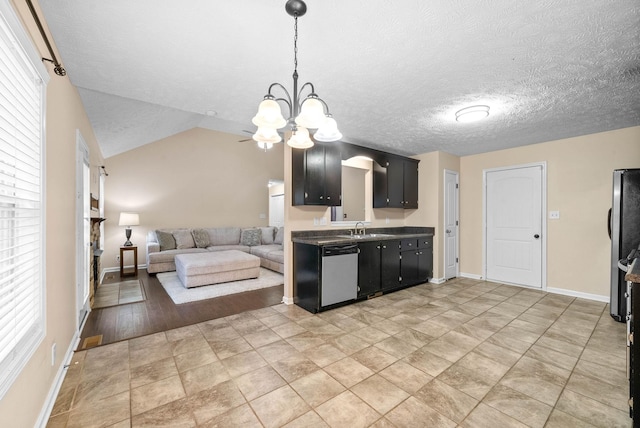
{"x": 263, "y": 242}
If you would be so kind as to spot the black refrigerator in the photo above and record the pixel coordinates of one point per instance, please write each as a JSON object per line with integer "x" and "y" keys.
{"x": 624, "y": 231}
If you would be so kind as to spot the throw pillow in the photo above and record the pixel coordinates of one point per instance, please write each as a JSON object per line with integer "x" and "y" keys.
{"x": 166, "y": 240}
{"x": 250, "y": 237}
{"x": 201, "y": 238}
{"x": 279, "y": 236}
{"x": 183, "y": 239}
{"x": 267, "y": 235}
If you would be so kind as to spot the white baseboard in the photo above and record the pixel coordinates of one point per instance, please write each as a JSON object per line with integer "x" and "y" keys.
{"x": 45, "y": 413}
{"x": 437, "y": 280}
{"x": 588, "y": 296}
{"x": 470, "y": 275}
{"x": 287, "y": 300}
{"x": 117, "y": 269}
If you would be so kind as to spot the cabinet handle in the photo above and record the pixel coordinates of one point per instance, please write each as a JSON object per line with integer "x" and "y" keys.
{"x": 378, "y": 247}
{"x": 321, "y": 197}
{"x": 384, "y": 246}
{"x": 328, "y": 197}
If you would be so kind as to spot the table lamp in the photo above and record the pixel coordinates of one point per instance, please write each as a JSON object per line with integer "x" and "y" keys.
{"x": 128, "y": 220}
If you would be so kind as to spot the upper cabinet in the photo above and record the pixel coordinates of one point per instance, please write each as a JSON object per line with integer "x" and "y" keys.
{"x": 395, "y": 185}
{"x": 317, "y": 175}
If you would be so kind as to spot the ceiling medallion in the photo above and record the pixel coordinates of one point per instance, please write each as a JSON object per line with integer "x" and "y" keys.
{"x": 310, "y": 112}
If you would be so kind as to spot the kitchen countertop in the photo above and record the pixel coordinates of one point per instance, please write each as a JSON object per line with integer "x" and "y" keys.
{"x": 336, "y": 237}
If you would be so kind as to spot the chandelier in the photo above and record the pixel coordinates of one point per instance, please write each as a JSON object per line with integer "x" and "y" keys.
{"x": 309, "y": 112}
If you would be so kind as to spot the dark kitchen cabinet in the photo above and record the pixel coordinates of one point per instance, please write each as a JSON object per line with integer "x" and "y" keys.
{"x": 395, "y": 185}
{"x": 378, "y": 267}
{"x": 317, "y": 175}
{"x": 416, "y": 261}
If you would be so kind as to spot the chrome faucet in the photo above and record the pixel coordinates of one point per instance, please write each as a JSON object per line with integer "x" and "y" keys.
{"x": 361, "y": 231}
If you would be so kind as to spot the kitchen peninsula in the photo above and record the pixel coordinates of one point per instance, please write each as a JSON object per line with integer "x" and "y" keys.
{"x": 333, "y": 268}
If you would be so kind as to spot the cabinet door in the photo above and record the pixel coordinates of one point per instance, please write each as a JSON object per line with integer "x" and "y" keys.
{"x": 368, "y": 268}
{"x": 395, "y": 183}
{"x": 314, "y": 176}
{"x": 425, "y": 255}
{"x": 409, "y": 267}
{"x": 410, "y": 180}
{"x": 379, "y": 186}
{"x": 390, "y": 264}
{"x": 332, "y": 175}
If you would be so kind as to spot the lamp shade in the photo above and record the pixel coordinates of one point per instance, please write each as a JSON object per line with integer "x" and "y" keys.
{"x": 300, "y": 139}
{"x": 129, "y": 219}
{"x": 267, "y": 135}
{"x": 328, "y": 132}
{"x": 311, "y": 114}
{"x": 269, "y": 115}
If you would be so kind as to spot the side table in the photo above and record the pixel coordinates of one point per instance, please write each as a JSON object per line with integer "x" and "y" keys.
{"x": 133, "y": 272}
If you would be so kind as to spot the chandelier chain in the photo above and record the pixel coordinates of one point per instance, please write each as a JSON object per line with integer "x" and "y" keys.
{"x": 295, "y": 43}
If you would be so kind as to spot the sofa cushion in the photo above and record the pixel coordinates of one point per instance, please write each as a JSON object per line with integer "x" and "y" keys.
{"x": 224, "y": 235}
{"x": 201, "y": 238}
{"x": 250, "y": 237}
{"x": 272, "y": 252}
{"x": 169, "y": 255}
{"x": 229, "y": 247}
{"x": 268, "y": 233}
{"x": 279, "y": 236}
{"x": 184, "y": 239}
{"x": 166, "y": 240}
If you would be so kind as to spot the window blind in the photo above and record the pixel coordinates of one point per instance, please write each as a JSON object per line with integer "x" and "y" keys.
{"x": 22, "y": 323}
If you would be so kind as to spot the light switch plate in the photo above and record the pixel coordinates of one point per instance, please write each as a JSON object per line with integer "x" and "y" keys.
{"x": 554, "y": 215}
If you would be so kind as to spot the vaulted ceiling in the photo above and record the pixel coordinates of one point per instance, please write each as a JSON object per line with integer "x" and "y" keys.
{"x": 393, "y": 72}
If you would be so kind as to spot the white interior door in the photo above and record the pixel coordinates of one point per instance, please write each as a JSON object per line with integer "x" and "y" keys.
{"x": 450, "y": 224}
{"x": 83, "y": 229}
{"x": 514, "y": 225}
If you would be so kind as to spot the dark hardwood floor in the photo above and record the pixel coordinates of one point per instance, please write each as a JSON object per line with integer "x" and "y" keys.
{"x": 158, "y": 312}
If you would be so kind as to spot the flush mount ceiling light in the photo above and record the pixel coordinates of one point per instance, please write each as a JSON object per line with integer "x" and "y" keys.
{"x": 472, "y": 114}
{"x": 310, "y": 112}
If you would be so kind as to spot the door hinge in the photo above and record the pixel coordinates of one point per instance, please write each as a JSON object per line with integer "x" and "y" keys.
{"x": 456, "y": 260}
{"x": 456, "y": 185}
{"x": 457, "y": 223}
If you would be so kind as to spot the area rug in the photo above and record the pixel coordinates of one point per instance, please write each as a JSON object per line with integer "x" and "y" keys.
{"x": 180, "y": 294}
{"x": 118, "y": 293}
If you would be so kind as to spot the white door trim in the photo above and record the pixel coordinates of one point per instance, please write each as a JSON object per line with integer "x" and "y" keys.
{"x": 444, "y": 223}
{"x": 543, "y": 217}
{"x": 82, "y": 231}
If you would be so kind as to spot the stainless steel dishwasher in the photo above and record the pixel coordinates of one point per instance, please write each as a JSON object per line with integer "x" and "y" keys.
{"x": 339, "y": 274}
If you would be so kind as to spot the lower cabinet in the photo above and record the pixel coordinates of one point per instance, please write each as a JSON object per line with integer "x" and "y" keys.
{"x": 378, "y": 267}
{"x": 416, "y": 260}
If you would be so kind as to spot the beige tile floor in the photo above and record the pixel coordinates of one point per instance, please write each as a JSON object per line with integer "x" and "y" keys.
{"x": 465, "y": 353}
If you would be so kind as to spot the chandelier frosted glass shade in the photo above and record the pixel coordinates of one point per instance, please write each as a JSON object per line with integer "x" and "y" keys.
{"x": 264, "y": 146}
{"x": 269, "y": 115}
{"x": 300, "y": 139}
{"x": 328, "y": 132}
{"x": 312, "y": 114}
{"x": 267, "y": 135}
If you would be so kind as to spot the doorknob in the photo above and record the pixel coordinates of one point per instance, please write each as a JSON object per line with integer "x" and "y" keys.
{"x": 536, "y": 236}
{"x": 448, "y": 231}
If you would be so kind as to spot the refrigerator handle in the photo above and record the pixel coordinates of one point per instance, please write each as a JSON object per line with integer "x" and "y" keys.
{"x": 609, "y": 223}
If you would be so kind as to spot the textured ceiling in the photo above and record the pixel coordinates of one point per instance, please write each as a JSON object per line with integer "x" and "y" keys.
{"x": 393, "y": 73}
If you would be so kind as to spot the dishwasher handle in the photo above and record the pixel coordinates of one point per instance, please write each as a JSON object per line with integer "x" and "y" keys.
{"x": 339, "y": 250}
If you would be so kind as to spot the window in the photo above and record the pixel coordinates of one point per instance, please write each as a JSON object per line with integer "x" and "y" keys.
{"x": 22, "y": 289}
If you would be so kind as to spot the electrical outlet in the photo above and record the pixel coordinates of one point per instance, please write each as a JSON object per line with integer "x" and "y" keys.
{"x": 117, "y": 258}
{"x": 554, "y": 215}
{"x": 53, "y": 355}
{"x": 387, "y": 220}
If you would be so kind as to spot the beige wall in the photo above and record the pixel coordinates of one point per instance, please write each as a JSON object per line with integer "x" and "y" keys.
{"x": 196, "y": 178}
{"x": 579, "y": 183}
{"x": 22, "y": 404}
